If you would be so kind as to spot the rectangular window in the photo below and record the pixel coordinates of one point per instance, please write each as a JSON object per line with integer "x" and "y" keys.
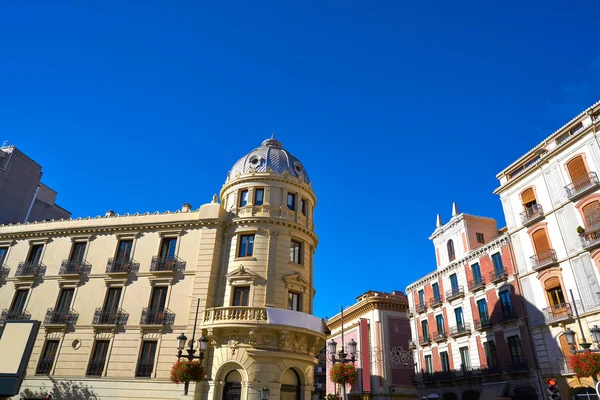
{"x": 464, "y": 359}
{"x": 483, "y": 311}
{"x": 505, "y": 302}
{"x": 64, "y": 301}
{"x": 77, "y": 252}
{"x": 460, "y": 321}
{"x": 425, "y": 329}
{"x": 303, "y": 206}
{"x": 243, "y": 198}
{"x": 167, "y": 249}
{"x": 146, "y": 361}
{"x": 516, "y": 353}
{"x": 476, "y": 273}
{"x": 291, "y": 201}
{"x": 294, "y": 301}
{"x": 428, "y": 365}
{"x": 158, "y": 298}
{"x": 498, "y": 266}
{"x": 124, "y": 250}
{"x": 480, "y": 238}
{"x": 436, "y": 291}
{"x": 111, "y": 303}
{"x": 98, "y": 358}
{"x": 421, "y": 298}
{"x": 246, "y": 246}
{"x": 3, "y": 251}
{"x": 259, "y": 195}
{"x": 241, "y": 295}
{"x": 445, "y": 361}
{"x": 47, "y": 360}
{"x": 454, "y": 282}
{"x": 35, "y": 254}
{"x": 490, "y": 354}
{"x": 18, "y": 304}
{"x": 296, "y": 252}
{"x": 439, "y": 321}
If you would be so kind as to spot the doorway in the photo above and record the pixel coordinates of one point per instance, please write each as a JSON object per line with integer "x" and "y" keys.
{"x": 232, "y": 390}
{"x": 290, "y": 385}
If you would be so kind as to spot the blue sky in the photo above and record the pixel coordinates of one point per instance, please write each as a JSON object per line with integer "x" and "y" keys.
{"x": 396, "y": 108}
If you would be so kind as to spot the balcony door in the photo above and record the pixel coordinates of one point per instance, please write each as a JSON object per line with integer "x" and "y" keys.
{"x": 529, "y": 202}
{"x": 35, "y": 254}
{"x": 124, "y": 251}
{"x": 460, "y": 319}
{"x": 541, "y": 244}
{"x": 482, "y": 307}
{"x": 436, "y": 291}
{"x": 111, "y": 304}
{"x": 476, "y": 273}
{"x": 18, "y": 304}
{"x": 63, "y": 305}
{"x": 167, "y": 249}
{"x": 578, "y": 173}
{"x": 556, "y": 298}
{"x": 77, "y": 252}
{"x": 439, "y": 321}
{"x": 591, "y": 214}
{"x": 454, "y": 283}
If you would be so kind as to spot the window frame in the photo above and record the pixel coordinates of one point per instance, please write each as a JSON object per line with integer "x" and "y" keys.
{"x": 3, "y": 254}
{"x": 242, "y": 250}
{"x": 258, "y": 202}
{"x": 440, "y": 328}
{"x": 23, "y": 302}
{"x": 451, "y": 250}
{"x": 44, "y": 356}
{"x": 479, "y": 237}
{"x": 35, "y": 257}
{"x": 444, "y": 357}
{"x": 246, "y": 295}
{"x": 243, "y": 199}
{"x": 298, "y": 296}
{"x": 296, "y": 247}
{"x": 465, "y": 358}
{"x": 515, "y": 349}
{"x": 428, "y": 364}
{"x": 94, "y": 355}
{"x": 491, "y": 356}
{"x": 142, "y": 359}
{"x": 292, "y": 196}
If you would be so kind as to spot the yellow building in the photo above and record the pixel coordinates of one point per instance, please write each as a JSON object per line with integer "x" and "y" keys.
{"x": 115, "y": 291}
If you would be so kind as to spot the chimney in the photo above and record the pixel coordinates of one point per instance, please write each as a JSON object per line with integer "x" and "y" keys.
{"x": 186, "y": 207}
{"x": 109, "y": 213}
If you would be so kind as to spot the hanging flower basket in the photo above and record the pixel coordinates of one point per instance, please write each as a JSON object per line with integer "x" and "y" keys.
{"x": 343, "y": 374}
{"x": 187, "y": 371}
{"x": 586, "y": 364}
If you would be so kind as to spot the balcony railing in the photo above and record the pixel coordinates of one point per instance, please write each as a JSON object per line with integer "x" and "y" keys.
{"x": 144, "y": 369}
{"x": 421, "y": 307}
{"x": 14, "y": 315}
{"x": 157, "y": 317}
{"x": 439, "y": 336}
{"x": 222, "y": 314}
{"x": 424, "y": 340}
{"x": 476, "y": 284}
{"x": 590, "y": 239}
{"x": 29, "y": 269}
{"x": 44, "y": 366}
{"x": 531, "y": 214}
{"x": 121, "y": 266}
{"x": 435, "y": 302}
{"x": 4, "y": 271}
{"x": 74, "y": 267}
{"x": 95, "y": 368}
{"x": 459, "y": 330}
{"x": 483, "y": 323}
{"x": 543, "y": 259}
{"x": 506, "y": 316}
{"x": 498, "y": 275}
{"x": 582, "y": 185}
{"x": 161, "y": 264}
{"x": 515, "y": 367}
{"x": 565, "y": 367}
{"x": 558, "y": 312}
{"x": 103, "y": 317}
{"x": 454, "y": 293}
{"x": 57, "y": 317}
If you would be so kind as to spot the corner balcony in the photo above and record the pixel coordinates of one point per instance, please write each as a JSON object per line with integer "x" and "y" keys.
{"x": 424, "y": 340}
{"x": 439, "y": 336}
{"x": 60, "y": 318}
{"x": 74, "y": 268}
{"x": 14, "y": 315}
{"x": 499, "y": 275}
{"x": 29, "y": 270}
{"x": 435, "y": 302}
{"x": 544, "y": 259}
{"x": 557, "y": 313}
{"x": 166, "y": 265}
{"x": 104, "y": 318}
{"x": 532, "y": 214}
{"x": 460, "y": 330}
{"x": 483, "y": 323}
{"x": 454, "y": 293}
{"x": 421, "y": 308}
{"x": 476, "y": 284}
{"x": 582, "y": 185}
{"x": 121, "y": 266}
{"x": 152, "y": 317}
{"x": 590, "y": 240}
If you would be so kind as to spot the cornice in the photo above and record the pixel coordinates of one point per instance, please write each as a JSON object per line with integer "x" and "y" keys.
{"x": 271, "y": 221}
{"x": 479, "y": 252}
{"x": 268, "y": 176}
{"x": 371, "y": 303}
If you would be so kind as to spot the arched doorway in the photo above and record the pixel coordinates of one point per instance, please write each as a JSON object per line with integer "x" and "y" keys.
{"x": 470, "y": 395}
{"x": 290, "y": 385}
{"x": 232, "y": 390}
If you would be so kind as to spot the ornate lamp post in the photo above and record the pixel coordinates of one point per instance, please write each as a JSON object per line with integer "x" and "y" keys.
{"x": 202, "y": 345}
{"x": 264, "y": 393}
{"x": 341, "y": 358}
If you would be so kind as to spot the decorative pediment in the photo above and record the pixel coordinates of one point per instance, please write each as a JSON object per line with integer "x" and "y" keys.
{"x": 296, "y": 282}
{"x": 241, "y": 275}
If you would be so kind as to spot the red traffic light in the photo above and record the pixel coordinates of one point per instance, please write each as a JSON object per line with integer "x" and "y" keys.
{"x": 552, "y": 382}
{"x": 48, "y": 397}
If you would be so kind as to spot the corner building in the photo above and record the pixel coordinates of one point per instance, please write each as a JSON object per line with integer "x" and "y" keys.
{"x": 469, "y": 327}
{"x": 114, "y": 292}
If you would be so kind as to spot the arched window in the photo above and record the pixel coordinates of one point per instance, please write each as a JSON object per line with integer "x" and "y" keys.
{"x": 530, "y": 203}
{"x": 591, "y": 215}
{"x": 540, "y": 242}
{"x": 556, "y": 297}
{"x": 451, "y": 254}
{"x": 578, "y": 172}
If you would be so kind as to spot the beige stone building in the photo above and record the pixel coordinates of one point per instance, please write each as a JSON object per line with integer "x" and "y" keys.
{"x": 115, "y": 291}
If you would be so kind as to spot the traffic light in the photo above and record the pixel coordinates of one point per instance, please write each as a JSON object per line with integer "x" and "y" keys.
{"x": 48, "y": 397}
{"x": 553, "y": 392}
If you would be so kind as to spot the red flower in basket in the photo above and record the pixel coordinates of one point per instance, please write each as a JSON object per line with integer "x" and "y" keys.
{"x": 586, "y": 364}
{"x": 187, "y": 371}
{"x": 343, "y": 374}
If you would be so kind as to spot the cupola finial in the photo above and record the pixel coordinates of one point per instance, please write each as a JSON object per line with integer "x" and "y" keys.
{"x": 438, "y": 223}
{"x": 454, "y": 209}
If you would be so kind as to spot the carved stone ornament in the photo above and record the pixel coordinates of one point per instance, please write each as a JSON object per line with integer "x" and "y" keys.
{"x": 268, "y": 340}
{"x": 233, "y": 341}
{"x": 252, "y": 335}
{"x": 284, "y": 339}
{"x": 214, "y": 339}
{"x": 297, "y": 342}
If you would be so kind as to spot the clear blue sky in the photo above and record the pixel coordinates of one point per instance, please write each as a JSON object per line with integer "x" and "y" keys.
{"x": 396, "y": 108}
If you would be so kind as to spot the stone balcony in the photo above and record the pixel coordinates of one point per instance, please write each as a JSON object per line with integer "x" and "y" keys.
{"x": 582, "y": 185}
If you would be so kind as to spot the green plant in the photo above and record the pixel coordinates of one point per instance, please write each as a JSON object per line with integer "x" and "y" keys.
{"x": 586, "y": 364}
{"x": 187, "y": 371}
{"x": 344, "y": 374}
{"x": 580, "y": 230}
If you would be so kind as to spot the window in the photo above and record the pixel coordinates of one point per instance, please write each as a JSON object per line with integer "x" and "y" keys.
{"x": 241, "y": 295}
{"x": 47, "y": 359}
{"x": 3, "y": 251}
{"x": 111, "y": 306}
{"x": 454, "y": 283}
{"x": 294, "y": 301}
{"x": 482, "y": 307}
{"x": 578, "y": 173}
{"x": 63, "y": 305}
{"x": 425, "y": 329}
{"x": 98, "y": 358}
{"x": 460, "y": 320}
{"x": 540, "y": 242}
{"x": 146, "y": 361}
{"x": 35, "y": 254}
{"x": 498, "y": 266}
{"x": 303, "y": 206}
{"x": 246, "y": 246}
{"x": 439, "y": 321}
{"x": 506, "y": 303}
{"x": 480, "y": 238}
{"x": 556, "y": 297}
{"x": 124, "y": 250}
{"x": 445, "y": 361}
{"x": 591, "y": 215}
{"x": 291, "y": 201}
{"x": 158, "y": 298}
{"x": 428, "y": 365}
{"x": 464, "y": 359}
{"x": 421, "y": 298}
{"x": 296, "y": 252}
{"x": 529, "y": 201}
{"x": 490, "y": 354}
{"x": 436, "y": 291}
{"x": 77, "y": 252}
{"x": 259, "y": 195}
{"x": 18, "y": 304}
{"x": 243, "y": 198}
{"x": 476, "y": 273}
{"x": 516, "y": 353}
{"x": 451, "y": 254}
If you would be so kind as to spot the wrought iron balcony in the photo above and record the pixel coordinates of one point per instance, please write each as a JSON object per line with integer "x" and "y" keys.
{"x": 57, "y": 317}
{"x": 144, "y": 370}
{"x": 559, "y": 312}
{"x": 121, "y": 266}
{"x": 421, "y": 307}
{"x": 507, "y": 316}
{"x": 29, "y": 269}
{"x": 435, "y": 302}
{"x": 454, "y": 293}
{"x": 162, "y": 264}
{"x": 44, "y": 366}
{"x": 543, "y": 259}
{"x": 582, "y": 185}
{"x": 565, "y": 367}
{"x": 95, "y": 368}
{"x": 590, "y": 239}
{"x": 459, "y": 330}
{"x": 74, "y": 267}
{"x": 439, "y": 336}
{"x": 157, "y": 317}
{"x": 4, "y": 271}
{"x": 14, "y": 315}
{"x": 485, "y": 322}
{"x": 476, "y": 284}
{"x": 103, "y": 317}
{"x": 424, "y": 340}
{"x": 516, "y": 367}
{"x": 532, "y": 214}
{"x": 498, "y": 275}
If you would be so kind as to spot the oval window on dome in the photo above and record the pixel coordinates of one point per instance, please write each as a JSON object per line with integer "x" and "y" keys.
{"x": 298, "y": 167}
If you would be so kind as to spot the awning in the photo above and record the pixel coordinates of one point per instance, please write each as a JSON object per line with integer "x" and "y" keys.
{"x": 489, "y": 391}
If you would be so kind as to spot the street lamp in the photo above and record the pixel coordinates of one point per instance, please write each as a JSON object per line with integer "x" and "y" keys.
{"x": 341, "y": 358}
{"x": 570, "y": 335}
{"x": 264, "y": 393}
{"x": 202, "y": 345}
